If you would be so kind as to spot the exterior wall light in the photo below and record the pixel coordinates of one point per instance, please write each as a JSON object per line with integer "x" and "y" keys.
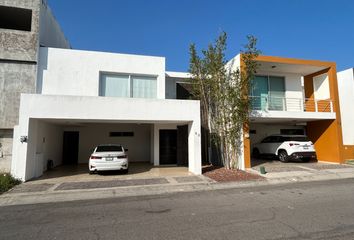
{"x": 23, "y": 139}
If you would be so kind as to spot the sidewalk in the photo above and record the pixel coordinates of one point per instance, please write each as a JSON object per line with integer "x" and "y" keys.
{"x": 70, "y": 191}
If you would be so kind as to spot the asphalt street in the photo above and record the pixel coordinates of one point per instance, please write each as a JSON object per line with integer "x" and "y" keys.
{"x": 317, "y": 210}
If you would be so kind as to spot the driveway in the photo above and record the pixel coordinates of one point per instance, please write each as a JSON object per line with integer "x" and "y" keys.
{"x": 76, "y": 177}
{"x": 277, "y": 169}
{"x": 79, "y": 173}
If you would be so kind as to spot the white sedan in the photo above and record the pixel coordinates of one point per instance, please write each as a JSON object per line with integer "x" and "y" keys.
{"x": 107, "y": 157}
{"x": 286, "y": 147}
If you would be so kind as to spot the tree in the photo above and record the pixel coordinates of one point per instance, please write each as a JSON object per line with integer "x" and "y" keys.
{"x": 223, "y": 93}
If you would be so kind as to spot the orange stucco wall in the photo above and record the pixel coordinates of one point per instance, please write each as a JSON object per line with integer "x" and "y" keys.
{"x": 326, "y": 134}
{"x": 247, "y": 146}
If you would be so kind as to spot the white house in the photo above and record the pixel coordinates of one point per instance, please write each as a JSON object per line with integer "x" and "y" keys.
{"x": 85, "y": 98}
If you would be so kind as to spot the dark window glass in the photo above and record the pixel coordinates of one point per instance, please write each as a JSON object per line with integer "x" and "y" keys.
{"x": 277, "y": 139}
{"x": 109, "y": 148}
{"x": 297, "y": 138}
{"x": 15, "y": 18}
{"x": 292, "y": 131}
{"x": 266, "y": 140}
{"x": 121, "y": 134}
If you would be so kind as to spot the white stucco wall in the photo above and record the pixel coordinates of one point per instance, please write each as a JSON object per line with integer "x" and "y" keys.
{"x": 77, "y": 73}
{"x": 93, "y": 134}
{"x": 49, "y": 143}
{"x": 346, "y": 102}
{"x": 36, "y": 107}
{"x": 321, "y": 87}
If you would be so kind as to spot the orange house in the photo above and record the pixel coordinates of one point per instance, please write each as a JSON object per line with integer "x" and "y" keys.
{"x": 295, "y": 96}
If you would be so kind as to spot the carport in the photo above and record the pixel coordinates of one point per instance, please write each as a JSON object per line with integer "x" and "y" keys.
{"x": 260, "y": 128}
{"x": 63, "y": 130}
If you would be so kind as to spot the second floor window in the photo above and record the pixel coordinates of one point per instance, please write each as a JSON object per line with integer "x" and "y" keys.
{"x": 268, "y": 92}
{"x": 119, "y": 85}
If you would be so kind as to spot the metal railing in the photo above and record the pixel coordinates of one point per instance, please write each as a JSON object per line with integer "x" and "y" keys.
{"x": 269, "y": 103}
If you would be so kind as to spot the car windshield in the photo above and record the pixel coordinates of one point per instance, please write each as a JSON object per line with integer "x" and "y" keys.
{"x": 109, "y": 148}
{"x": 297, "y": 138}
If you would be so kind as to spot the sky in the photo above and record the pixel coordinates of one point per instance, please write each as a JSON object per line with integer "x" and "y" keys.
{"x": 308, "y": 29}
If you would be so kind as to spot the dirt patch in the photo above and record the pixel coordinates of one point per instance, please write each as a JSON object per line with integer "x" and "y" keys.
{"x": 221, "y": 174}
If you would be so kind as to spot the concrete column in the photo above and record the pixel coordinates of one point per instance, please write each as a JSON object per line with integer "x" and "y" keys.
{"x": 156, "y": 143}
{"x": 194, "y": 148}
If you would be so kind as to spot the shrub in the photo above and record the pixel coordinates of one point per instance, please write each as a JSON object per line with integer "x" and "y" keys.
{"x": 7, "y": 182}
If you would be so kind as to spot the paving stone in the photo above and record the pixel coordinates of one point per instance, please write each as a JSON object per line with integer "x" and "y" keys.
{"x": 109, "y": 184}
{"x": 188, "y": 179}
{"x": 320, "y": 166}
{"x": 23, "y": 188}
{"x": 284, "y": 168}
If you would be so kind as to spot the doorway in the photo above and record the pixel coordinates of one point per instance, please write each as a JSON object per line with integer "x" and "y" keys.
{"x": 70, "y": 148}
{"x": 182, "y": 145}
{"x": 168, "y": 147}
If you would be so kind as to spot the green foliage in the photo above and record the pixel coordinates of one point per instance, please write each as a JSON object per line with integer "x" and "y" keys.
{"x": 7, "y": 182}
{"x": 222, "y": 89}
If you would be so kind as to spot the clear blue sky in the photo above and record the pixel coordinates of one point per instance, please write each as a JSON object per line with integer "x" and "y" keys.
{"x": 309, "y": 29}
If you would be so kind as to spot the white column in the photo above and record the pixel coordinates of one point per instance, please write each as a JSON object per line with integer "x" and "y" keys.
{"x": 194, "y": 148}
{"x": 156, "y": 145}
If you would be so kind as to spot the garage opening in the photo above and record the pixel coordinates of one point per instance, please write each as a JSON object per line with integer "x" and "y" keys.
{"x": 63, "y": 148}
{"x": 263, "y": 139}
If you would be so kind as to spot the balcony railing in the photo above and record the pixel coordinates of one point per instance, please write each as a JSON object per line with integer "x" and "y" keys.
{"x": 268, "y": 103}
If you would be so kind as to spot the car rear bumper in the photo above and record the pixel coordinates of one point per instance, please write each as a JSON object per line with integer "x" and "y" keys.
{"x": 108, "y": 166}
{"x": 301, "y": 155}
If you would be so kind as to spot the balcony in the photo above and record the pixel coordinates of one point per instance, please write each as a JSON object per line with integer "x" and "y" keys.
{"x": 290, "y": 104}
{"x": 270, "y": 109}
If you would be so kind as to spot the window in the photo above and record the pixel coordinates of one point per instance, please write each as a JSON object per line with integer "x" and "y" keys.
{"x": 144, "y": 87}
{"x": 296, "y": 138}
{"x": 292, "y": 131}
{"x": 115, "y": 86}
{"x": 15, "y": 18}
{"x": 121, "y": 134}
{"x": 268, "y": 93}
{"x": 109, "y": 148}
{"x": 119, "y": 85}
{"x": 267, "y": 140}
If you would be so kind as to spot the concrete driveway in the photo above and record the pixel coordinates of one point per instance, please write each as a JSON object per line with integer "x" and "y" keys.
{"x": 69, "y": 178}
{"x": 78, "y": 173}
{"x": 277, "y": 169}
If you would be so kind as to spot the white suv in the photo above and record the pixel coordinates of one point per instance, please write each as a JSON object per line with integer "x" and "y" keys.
{"x": 286, "y": 147}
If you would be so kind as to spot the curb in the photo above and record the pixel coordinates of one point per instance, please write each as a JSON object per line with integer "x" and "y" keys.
{"x": 156, "y": 190}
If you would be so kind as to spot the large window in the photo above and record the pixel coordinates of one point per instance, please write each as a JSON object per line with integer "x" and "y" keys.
{"x": 268, "y": 92}
{"x": 116, "y": 85}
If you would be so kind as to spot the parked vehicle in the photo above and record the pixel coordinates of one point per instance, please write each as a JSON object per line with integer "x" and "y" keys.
{"x": 107, "y": 157}
{"x": 286, "y": 147}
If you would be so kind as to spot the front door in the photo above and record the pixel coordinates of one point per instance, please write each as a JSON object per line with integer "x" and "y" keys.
{"x": 168, "y": 147}
{"x": 182, "y": 145}
{"x": 70, "y": 147}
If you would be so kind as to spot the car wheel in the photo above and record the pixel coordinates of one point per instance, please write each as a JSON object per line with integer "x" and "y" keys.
{"x": 91, "y": 172}
{"x": 125, "y": 171}
{"x": 283, "y": 156}
{"x": 255, "y": 153}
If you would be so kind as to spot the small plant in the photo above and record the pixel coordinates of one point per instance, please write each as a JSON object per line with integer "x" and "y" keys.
{"x": 7, "y": 182}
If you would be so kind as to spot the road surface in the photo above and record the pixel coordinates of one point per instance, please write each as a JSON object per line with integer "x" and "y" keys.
{"x": 317, "y": 210}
